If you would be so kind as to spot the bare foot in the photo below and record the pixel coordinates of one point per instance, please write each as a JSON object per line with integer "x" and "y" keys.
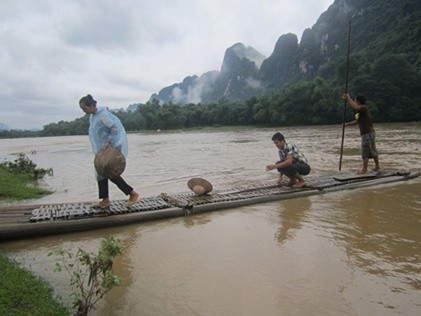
{"x": 361, "y": 171}
{"x": 134, "y": 198}
{"x": 299, "y": 184}
{"x": 104, "y": 204}
{"x": 292, "y": 183}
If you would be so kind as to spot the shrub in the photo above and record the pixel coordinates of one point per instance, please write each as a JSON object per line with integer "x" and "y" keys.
{"x": 91, "y": 274}
{"x": 23, "y": 165}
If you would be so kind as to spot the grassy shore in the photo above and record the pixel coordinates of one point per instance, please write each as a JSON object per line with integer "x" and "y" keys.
{"x": 21, "y": 292}
{"x": 16, "y": 187}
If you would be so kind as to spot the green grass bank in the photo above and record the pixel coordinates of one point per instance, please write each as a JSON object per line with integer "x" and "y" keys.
{"x": 21, "y": 292}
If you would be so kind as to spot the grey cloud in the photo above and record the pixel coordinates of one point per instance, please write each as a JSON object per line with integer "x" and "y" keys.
{"x": 98, "y": 27}
{"x": 54, "y": 51}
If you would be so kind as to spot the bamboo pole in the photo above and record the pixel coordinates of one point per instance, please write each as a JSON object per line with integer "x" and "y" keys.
{"x": 346, "y": 91}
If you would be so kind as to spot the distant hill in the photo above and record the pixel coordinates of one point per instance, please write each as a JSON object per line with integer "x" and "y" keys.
{"x": 4, "y": 127}
{"x": 132, "y": 107}
{"x": 382, "y": 31}
{"x": 237, "y": 79}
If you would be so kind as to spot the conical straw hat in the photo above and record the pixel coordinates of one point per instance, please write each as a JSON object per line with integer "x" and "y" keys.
{"x": 199, "y": 186}
{"x": 110, "y": 163}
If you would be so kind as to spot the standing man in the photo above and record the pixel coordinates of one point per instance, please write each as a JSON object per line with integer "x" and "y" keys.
{"x": 106, "y": 130}
{"x": 368, "y": 136}
{"x": 292, "y": 162}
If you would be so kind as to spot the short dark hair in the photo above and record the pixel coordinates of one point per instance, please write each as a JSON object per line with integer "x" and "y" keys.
{"x": 87, "y": 100}
{"x": 361, "y": 99}
{"x": 278, "y": 136}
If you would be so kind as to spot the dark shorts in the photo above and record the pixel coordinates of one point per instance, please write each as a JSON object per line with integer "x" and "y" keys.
{"x": 368, "y": 145}
{"x": 300, "y": 167}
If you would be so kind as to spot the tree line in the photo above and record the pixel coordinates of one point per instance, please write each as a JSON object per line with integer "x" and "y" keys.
{"x": 391, "y": 85}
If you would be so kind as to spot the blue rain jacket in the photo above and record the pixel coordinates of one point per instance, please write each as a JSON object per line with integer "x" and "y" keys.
{"x": 106, "y": 127}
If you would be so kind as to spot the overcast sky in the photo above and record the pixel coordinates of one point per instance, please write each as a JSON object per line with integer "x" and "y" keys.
{"x": 53, "y": 52}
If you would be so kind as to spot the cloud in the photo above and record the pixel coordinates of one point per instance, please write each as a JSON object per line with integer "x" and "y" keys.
{"x": 55, "y": 51}
{"x": 253, "y": 83}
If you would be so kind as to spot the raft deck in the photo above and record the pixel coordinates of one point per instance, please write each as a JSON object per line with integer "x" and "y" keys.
{"x": 17, "y": 222}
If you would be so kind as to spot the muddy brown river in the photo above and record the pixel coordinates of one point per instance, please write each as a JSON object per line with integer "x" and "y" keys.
{"x": 354, "y": 252}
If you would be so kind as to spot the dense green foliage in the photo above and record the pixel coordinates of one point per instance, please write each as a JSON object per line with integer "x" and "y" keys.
{"x": 315, "y": 102}
{"x": 22, "y": 293}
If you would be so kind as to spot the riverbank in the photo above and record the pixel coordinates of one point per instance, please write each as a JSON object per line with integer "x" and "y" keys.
{"x": 21, "y": 292}
{"x": 17, "y": 187}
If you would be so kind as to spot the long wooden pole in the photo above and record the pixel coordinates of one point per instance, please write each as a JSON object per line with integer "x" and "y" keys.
{"x": 346, "y": 91}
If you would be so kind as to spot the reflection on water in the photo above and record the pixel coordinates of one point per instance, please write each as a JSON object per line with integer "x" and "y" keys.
{"x": 291, "y": 216}
{"x": 344, "y": 253}
{"x": 383, "y": 239}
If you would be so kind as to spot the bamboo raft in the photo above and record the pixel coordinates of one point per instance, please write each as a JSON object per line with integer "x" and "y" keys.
{"x": 18, "y": 222}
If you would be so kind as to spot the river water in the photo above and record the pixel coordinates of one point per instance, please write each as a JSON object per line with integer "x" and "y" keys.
{"x": 354, "y": 252}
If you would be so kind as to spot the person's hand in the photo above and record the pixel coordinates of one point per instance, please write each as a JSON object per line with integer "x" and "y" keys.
{"x": 270, "y": 167}
{"x": 346, "y": 97}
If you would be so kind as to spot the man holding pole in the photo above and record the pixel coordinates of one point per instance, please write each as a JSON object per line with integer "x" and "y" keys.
{"x": 365, "y": 124}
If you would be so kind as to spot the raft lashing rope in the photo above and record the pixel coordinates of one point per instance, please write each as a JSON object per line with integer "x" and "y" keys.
{"x": 187, "y": 201}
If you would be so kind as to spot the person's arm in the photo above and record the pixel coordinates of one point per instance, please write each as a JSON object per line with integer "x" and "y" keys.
{"x": 114, "y": 130}
{"x": 282, "y": 164}
{"x": 113, "y": 135}
{"x": 355, "y": 122}
{"x": 351, "y": 102}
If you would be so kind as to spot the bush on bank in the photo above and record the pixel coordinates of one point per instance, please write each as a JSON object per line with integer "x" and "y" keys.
{"x": 20, "y": 179}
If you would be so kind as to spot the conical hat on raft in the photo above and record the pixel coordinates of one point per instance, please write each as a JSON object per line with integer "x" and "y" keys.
{"x": 110, "y": 163}
{"x": 199, "y": 186}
